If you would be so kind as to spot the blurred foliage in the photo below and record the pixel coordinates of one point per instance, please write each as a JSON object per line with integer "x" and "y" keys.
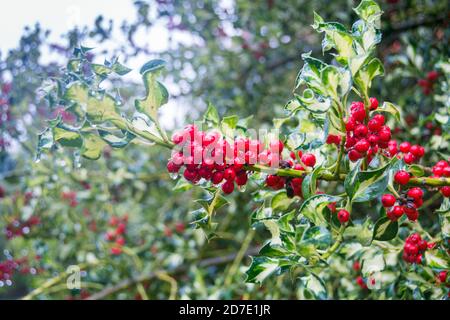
{"x": 244, "y": 56}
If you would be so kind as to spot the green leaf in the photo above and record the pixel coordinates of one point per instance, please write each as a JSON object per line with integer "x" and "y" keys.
{"x": 416, "y": 170}
{"x": 313, "y": 207}
{"x": 336, "y": 36}
{"x": 361, "y": 232}
{"x": 437, "y": 259}
{"x": 385, "y": 229}
{"x": 101, "y": 70}
{"x": 310, "y": 74}
{"x": 228, "y": 125}
{"x": 67, "y": 138}
{"x": 365, "y": 75}
{"x": 312, "y": 287}
{"x": 102, "y": 109}
{"x": 362, "y": 186}
{"x": 92, "y": 146}
{"x": 369, "y": 11}
{"x": 309, "y": 184}
{"x": 391, "y": 109}
{"x": 261, "y": 268}
{"x": 212, "y": 115}
{"x": 281, "y": 202}
{"x": 120, "y": 69}
{"x": 115, "y": 141}
{"x": 182, "y": 186}
{"x": 372, "y": 262}
{"x": 45, "y": 142}
{"x": 310, "y": 102}
{"x": 318, "y": 236}
{"x": 156, "y": 93}
{"x": 444, "y": 218}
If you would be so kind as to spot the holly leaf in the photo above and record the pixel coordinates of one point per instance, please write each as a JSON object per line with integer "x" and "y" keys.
{"x": 385, "y": 229}
{"x": 156, "y": 93}
{"x": 313, "y": 207}
{"x": 312, "y": 287}
{"x": 362, "y": 186}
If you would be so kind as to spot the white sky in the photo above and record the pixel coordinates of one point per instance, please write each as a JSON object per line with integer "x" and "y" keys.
{"x": 59, "y": 16}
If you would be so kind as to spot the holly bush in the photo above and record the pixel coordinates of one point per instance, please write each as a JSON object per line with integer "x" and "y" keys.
{"x": 343, "y": 194}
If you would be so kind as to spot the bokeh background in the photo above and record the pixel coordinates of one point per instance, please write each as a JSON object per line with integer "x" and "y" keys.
{"x": 243, "y": 56}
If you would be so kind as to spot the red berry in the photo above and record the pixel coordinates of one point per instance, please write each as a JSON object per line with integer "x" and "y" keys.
{"x": 379, "y": 118}
{"x": 418, "y": 202}
{"x": 442, "y": 276}
{"x": 373, "y": 103}
{"x": 401, "y": 177}
{"x": 411, "y": 249}
{"x": 384, "y": 134}
{"x": 356, "y": 266}
{"x": 446, "y": 191}
{"x": 228, "y": 187}
{"x": 177, "y": 138}
{"x": 423, "y": 245}
{"x": 397, "y": 211}
{"x": 432, "y": 75}
{"x": 354, "y": 155}
{"x": 299, "y": 153}
{"x": 361, "y": 283}
{"x": 442, "y": 163}
{"x": 409, "y": 158}
{"x": 309, "y": 159}
{"x": 172, "y": 167}
{"x": 415, "y": 193}
{"x": 120, "y": 241}
{"x": 388, "y": 200}
{"x": 190, "y": 175}
{"x": 362, "y": 146}
{"x": 350, "y": 142}
{"x": 358, "y": 112}
{"x": 412, "y": 214}
{"x": 229, "y": 174}
{"x": 446, "y": 172}
{"x": 272, "y": 180}
{"x": 405, "y": 147}
{"x": 350, "y": 125}
{"x": 333, "y": 139}
{"x": 374, "y": 125}
{"x": 343, "y": 216}
{"x": 217, "y": 177}
{"x": 361, "y": 131}
{"x": 241, "y": 179}
{"x": 116, "y": 251}
{"x": 438, "y": 171}
{"x": 417, "y": 151}
{"x": 276, "y": 146}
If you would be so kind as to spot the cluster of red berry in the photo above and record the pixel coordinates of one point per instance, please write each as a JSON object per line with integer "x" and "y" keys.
{"x": 71, "y": 197}
{"x": 442, "y": 169}
{"x": 211, "y": 157}
{"x": 19, "y": 228}
{"x": 361, "y": 139}
{"x": 428, "y": 82}
{"x": 293, "y": 185}
{"x": 411, "y": 153}
{"x": 407, "y": 203}
{"x": 119, "y": 225}
{"x": 414, "y": 248}
{"x": 10, "y": 266}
